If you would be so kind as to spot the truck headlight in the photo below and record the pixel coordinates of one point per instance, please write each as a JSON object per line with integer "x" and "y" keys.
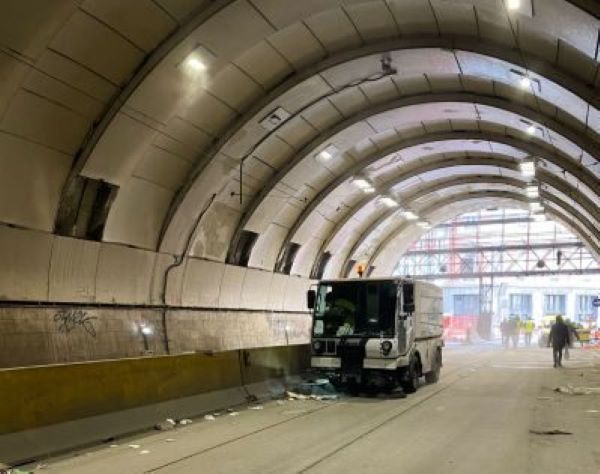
{"x": 386, "y": 347}
{"x": 318, "y": 347}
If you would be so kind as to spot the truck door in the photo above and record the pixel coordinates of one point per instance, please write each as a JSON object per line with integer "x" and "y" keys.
{"x": 405, "y": 319}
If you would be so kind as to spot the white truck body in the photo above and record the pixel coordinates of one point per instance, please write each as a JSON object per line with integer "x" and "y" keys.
{"x": 416, "y": 336}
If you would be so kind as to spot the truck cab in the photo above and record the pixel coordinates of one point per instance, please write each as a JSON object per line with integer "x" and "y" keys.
{"x": 376, "y": 332}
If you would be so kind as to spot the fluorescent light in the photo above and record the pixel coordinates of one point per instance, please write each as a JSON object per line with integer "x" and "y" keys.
{"x": 527, "y": 168}
{"x": 531, "y": 130}
{"x": 525, "y": 82}
{"x": 409, "y": 215}
{"x": 513, "y": 4}
{"x": 388, "y": 201}
{"x": 328, "y": 153}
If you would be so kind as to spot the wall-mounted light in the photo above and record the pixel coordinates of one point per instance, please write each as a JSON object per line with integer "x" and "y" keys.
{"x": 146, "y": 330}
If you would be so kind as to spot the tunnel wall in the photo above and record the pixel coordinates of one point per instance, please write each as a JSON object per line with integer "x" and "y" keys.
{"x": 69, "y": 300}
{"x": 34, "y": 397}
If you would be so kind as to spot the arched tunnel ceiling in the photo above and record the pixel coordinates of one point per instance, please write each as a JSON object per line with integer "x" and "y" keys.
{"x": 101, "y": 90}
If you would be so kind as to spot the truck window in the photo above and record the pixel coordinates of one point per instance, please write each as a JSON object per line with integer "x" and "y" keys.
{"x": 355, "y": 309}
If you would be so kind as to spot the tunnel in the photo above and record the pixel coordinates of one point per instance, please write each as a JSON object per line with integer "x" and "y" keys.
{"x": 176, "y": 175}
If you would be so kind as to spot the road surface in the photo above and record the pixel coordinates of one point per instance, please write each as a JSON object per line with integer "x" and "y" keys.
{"x": 477, "y": 419}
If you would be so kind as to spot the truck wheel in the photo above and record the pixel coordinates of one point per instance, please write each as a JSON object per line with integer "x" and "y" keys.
{"x": 434, "y": 375}
{"x": 410, "y": 384}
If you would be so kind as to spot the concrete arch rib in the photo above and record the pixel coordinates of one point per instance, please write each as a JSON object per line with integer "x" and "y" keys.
{"x": 543, "y": 176}
{"x": 584, "y": 231}
{"x": 500, "y": 104}
{"x": 559, "y": 159}
{"x": 71, "y": 188}
{"x": 513, "y": 57}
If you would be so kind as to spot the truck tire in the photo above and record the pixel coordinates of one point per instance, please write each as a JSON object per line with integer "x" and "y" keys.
{"x": 436, "y": 365}
{"x": 410, "y": 382}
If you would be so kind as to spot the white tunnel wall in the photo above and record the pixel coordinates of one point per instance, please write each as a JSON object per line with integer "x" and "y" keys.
{"x": 68, "y": 300}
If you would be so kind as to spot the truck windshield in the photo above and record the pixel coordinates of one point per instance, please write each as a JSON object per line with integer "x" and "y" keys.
{"x": 355, "y": 309}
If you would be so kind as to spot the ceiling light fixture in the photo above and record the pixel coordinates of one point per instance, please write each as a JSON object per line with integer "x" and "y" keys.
{"x": 525, "y": 82}
{"x": 364, "y": 185}
{"x": 388, "y": 201}
{"x": 197, "y": 61}
{"x": 527, "y": 168}
{"x": 328, "y": 153}
{"x": 532, "y": 191}
{"x": 513, "y": 4}
{"x": 409, "y": 215}
{"x": 536, "y": 206}
{"x": 531, "y": 130}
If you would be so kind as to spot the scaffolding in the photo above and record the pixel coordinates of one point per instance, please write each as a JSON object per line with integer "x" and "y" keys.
{"x": 502, "y": 243}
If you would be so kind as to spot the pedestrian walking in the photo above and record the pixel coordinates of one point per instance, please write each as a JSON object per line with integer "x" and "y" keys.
{"x": 559, "y": 338}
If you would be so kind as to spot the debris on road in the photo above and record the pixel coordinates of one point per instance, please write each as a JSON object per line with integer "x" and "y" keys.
{"x": 550, "y": 432}
{"x": 145, "y": 451}
{"x": 313, "y": 389}
{"x": 134, "y": 446}
{"x": 592, "y": 411}
{"x": 256, "y": 407}
{"x": 166, "y": 425}
{"x": 570, "y": 390}
{"x": 114, "y": 445}
{"x": 169, "y": 440}
{"x": 185, "y": 421}
{"x": 209, "y": 417}
{"x": 295, "y": 396}
{"x": 233, "y": 413}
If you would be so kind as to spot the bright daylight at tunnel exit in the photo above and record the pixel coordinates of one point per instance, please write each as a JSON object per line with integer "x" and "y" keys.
{"x": 300, "y": 236}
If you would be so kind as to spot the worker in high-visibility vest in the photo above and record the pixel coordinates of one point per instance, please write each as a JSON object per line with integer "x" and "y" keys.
{"x": 528, "y": 327}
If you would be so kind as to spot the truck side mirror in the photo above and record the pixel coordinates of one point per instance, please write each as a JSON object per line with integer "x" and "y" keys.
{"x": 408, "y": 308}
{"x": 311, "y": 296}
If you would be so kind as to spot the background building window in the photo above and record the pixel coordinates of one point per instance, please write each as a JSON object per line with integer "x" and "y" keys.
{"x": 466, "y": 305}
{"x": 555, "y": 304}
{"x": 585, "y": 310}
{"x": 520, "y": 305}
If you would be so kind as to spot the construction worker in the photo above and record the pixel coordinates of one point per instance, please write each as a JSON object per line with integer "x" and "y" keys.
{"x": 528, "y": 327}
{"x": 559, "y": 338}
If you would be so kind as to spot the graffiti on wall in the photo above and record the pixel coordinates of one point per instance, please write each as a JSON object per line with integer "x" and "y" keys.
{"x": 71, "y": 319}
